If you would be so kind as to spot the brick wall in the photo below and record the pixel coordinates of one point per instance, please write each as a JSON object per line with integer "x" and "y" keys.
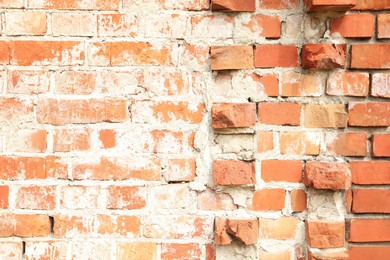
{"x": 183, "y": 129}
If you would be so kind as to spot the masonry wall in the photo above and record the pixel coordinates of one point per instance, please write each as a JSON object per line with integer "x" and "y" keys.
{"x": 183, "y": 129}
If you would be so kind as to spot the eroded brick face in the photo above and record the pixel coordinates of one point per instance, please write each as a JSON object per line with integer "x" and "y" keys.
{"x": 194, "y": 129}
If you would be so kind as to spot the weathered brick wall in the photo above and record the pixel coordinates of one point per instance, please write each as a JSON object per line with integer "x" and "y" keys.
{"x": 183, "y": 129}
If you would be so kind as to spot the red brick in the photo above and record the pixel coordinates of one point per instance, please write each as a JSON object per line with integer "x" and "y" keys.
{"x": 279, "y": 4}
{"x": 370, "y": 56}
{"x": 62, "y": 112}
{"x": 22, "y": 168}
{"x": 243, "y": 230}
{"x": 231, "y": 57}
{"x": 210, "y": 252}
{"x": 369, "y": 230}
{"x": 16, "y": 109}
{"x": 353, "y": 25}
{"x": 269, "y": 84}
{"x": 269, "y": 56}
{"x": 283, "y": 228}
{"x": 383, "y": 31}
{"x": 327, "y": 175}
{"x": 265, "y": 142}
{"x": 301, "y": 85}
{"x": 325, "y": 116}
{"x": 381, "y": 145}
{"x": 370, "y": 172}
{"x": 368, "y": 252}
{"x": 348, "y": 144}
{"x": 280, "y": 113}
{"x": 372, "y": 5}
{"x": 24, "y": 225}
{"x": 335, "y": 255}
{"x": 232, "y": 172}
{"x": 380, "y": 85}
{"x": 75, "y": 4}
{"x": 329, "y": 5}
{"x": 371, "y": 201}
{"x": 324, "y": 56}
{"x": 67, "y": 140}
{"x": 230, "y": 115}
{"x": 95, "y": 225}
{"x": 126, "y": 197}
{"x": 36, "y": 197}
{"x": 4, "y": 193}
{"x": 121, "y": 168}
{"x": 44, "y": 53}
{"x": 281, "y": 170}
{"x": 369, "y": 114}
{"x": 180, "y": 251}
{"x": 348, "y": 84}
{"x": 298, "y": 200}
{"x": 233, "y": 5}
{"x": 325, "y": 234}
{"x": 268, "y": 199}
{"x": 107, "y": 138}
{"x": 270, "y": 26}
{"x": 301, "y": 143}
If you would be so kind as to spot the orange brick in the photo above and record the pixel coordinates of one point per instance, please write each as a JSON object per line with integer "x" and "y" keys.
{"x": 280, "y": 113}
{"x": 24, "y": 225}
{"x": 300, "y": 143}
{"x": 180, "y": 251}
{"x": 370, "y": 56}
{"x": 371, "y": 201}
{"x": 369, "y": 114}
{"x": 12, "y": 109}
{"x": 36, "y": 197}
{"x": 126, "y": 197}
{"x": 231, "y": 57}
{"x": 325, "y": 234}
{"x": 383, "y": 31}
{"x": 55, "y": 168}
{"x": 107, "y": 138}
{"x": 281, "y": 170}
{"x": 332, "y": 5}
{"x": 354, "y": 84}
{"x": 324, "y": 56}
{"x": 232, "y": 172}
{"x": 27, "y": 140}
{"x": 327, "y": 175}
{"x": 269, "y": 84}
{"x": 62, "y": 112}
{"x": 282, "y": 255}
{"x": 226, "y": 115}
{"x": 267, "y": 26}
{"x": 237, "y": 5}
{"x": 5, "y": 53}
{"x": 368, "y": 252}
{"x": 167, "y": 142}
{"x": 75, "y": 82}
{"x": 281, "y": 229}
{"x": 298, "y": 200}
{"x": 348, "y": 144}
{"x": 56, "y": 249}
{"x": 265, "y": 142}
{"x": 301, "y": 85}
{"x": 279, "y": 4}
{"x": 25, "y": 23}
{"x": 369, "y": 230}
{"x": 243, "y": 230}
{"x": 28, "y": 82}
{"x": 138, "y": 250}
{"x": 4, "y": 193}
{"x": 43, "y": 53}
{"x": 210, "y": 200}
{"x": 372, "y": 5}
{"x": 180, "y": 170}
{"x": 67, "y": 140}
{"x": 370, "y": 172}
{"x": 381, "y": 145}
{"x": 269, "y": 56}
{"x": 117, "y": 25}
{"x": 75, "y": 4}
{"x": 119, "y": 169}
{"x": 11, "y": 3}
{"x": 325, "y": 116}
{"x": 353, "y": 25}
{"x": 22, "y": 168}
{"x": 95, "y": 225}
{"x": 195, "y": 57}
{"x": 210, "y": 252}
{"x": 167, "y": 82}
{"x": 380, "y": 85}
{"x": 268, "y": 199}
{"x": 11, "y": 249}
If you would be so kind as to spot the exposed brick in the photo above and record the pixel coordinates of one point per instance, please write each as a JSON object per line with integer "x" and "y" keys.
{"x": 230, "y": 115}
{"x": 12, "y": 4}
{"x": 380, "y": 85}
{"x": 183, "y": 251}
{"x": 233, "y": 5}
{"x": 324, "y": 56}
{"x": 335, "y": 255}
{"x": 372, "y": 5}
{"x": 370, "y": 56}
{"x": 270, "y": 26}
{"x": 325, "y": 116}
{"x": 36, "y": 197}
{"x": 281, "y": 170}
{"x": 243, "y": 230}
{"x": 126, "y": 197}
{"x": 298, "y": 200}
{"x": 27, "y": 140}
{"x": 368, "y": 252}
{"x": 325, "y": 234}
{"x": 268, "y": 199}
{"x": 11, "y": 249}
{"x": 279, "y": 4}
{"x": 381, "y": 145}
{"x": 369, "y": 114}
{"x": 4, "y": 194}
{"x": 301, "y": 85}
{"x": 269, "y": 56}
{"x": 268, "y": 84}
{"x": 231, "y": 57}
{"x": 232, "y": 172}
{"x": 73, "y": 24}
{"x": 25, "y": 23}
{"x": 28, "y": 82}
{"x": 265, "y": 142}
{"x": 371, "y": 201}
{"x": 80, "y": 197}
{"x": 353, "y": 25}
{"x": 211, "y": 200}
{"x": 370, "y": 172}
{"x": 281, "y": 113}
{"x": 212, "y": 26}
{"x": 348, "y": 144}
{"x": 75, "y": 82}
{"x": 180, "y": 170}
{"x": 300, "y": 143}
{"x": 66, "y": 140}
{"x": 332, "y": 5}
{"x": 75, "y": 4}
{"x": 24, "y": 225}
{"x": 348, "y": 84}
{"x": 137, "y": 250}
{"x": 369, "y": 230}
{"x": 327, "y": 175}
{"x": 116, "y": 25}
{"x": 283, "y": 228}
{"x": 189, "y": 5}
{"x": 383, "y": 31}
